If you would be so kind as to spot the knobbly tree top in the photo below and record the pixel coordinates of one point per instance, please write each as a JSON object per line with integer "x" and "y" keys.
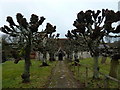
{"x": 94, "y": 26}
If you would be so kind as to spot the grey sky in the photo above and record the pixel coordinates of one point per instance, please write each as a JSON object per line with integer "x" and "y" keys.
{"x": 61, "y": 13}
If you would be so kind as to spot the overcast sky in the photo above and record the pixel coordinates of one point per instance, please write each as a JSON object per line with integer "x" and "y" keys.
{"x": 61, "y": 13}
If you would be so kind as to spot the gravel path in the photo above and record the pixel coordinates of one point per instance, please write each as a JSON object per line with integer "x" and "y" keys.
{"x": 62, "y": 77}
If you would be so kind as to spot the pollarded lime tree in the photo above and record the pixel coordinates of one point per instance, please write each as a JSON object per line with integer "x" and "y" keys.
{"x": 68, "y": 49}
{"x": 51, "y": 42}
{"x": 45, "y": 42}
{"x": 93, "y": 26}
{"x": 69, "y": 46}
{"x": 52, "y": 46}
{"x": 25, "y": 31}
{"x": 39, "y": 46}
{"x": 76, "y": 44}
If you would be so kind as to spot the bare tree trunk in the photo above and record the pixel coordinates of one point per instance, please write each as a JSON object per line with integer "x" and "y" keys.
{"x": 44, "y": 62}
{"x": 69, "y": 57}
{"x": 114, "y": 68}
{"x": 103, "y": 60}
{"x": 76, "y": 61}
{"x": 39, "y": 55}
{"x": 26, "y": 74}
{"x": 51, "y": 57}
{"x": 95, "y": 68}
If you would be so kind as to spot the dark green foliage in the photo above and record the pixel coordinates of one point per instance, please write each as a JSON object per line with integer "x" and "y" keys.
{"x": 84, "y": 23}
{"x": 10, "y": 20}
{"x": 33, "y": 19}
{"x": 110, "y": 15}
{"x": 24, "y": 23}
{"x": 88, "y": 17}
{"x": 103, "y": 12}
{"x": 80, "y": 27}
{"x": 35, "y": 22}
{"x": 74, "y": 32}
{"x": 99, "y": 19}
{"x": 95, "y": 15}
{"x": 3, "y": 30}
{"x": 69, "y": 35}
{"x": 7, "y": 28}
{"x": 50, "y": 29}
{"x": 41, "y": 20}
{"x": 34, "y": 28}
{"x": 57, "y": 35}
{"x": 80, "y": 17}
{"x": 19, "y": 16}
{"x": 96, "y": 33}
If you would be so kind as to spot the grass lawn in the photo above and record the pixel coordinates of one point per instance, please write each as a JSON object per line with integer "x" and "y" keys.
{"x": 11, "y": 74}
{"x": 80, "y": 73}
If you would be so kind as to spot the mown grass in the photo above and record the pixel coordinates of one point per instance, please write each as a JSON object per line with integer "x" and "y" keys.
{"x": 80, "y": 73}
{"x": 11, "y": 74}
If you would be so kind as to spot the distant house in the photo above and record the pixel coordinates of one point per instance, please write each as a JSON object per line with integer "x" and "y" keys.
{"x": 81, "y": 54}
{"x": 62, "y": 46}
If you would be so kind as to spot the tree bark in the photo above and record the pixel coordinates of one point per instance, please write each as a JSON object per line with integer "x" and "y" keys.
{"x": 103, "y": 60}
{"x": 26, "y": 74}
{"x": 95, "y": 68}
{"x": 39, "y": 55}
{"x": 68, "y": 55}
{"x": 76, "y": 61}
{"x": 52, "y": 57}
{"x": 114, "y": 68}
{"x": 44, "y": 62}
